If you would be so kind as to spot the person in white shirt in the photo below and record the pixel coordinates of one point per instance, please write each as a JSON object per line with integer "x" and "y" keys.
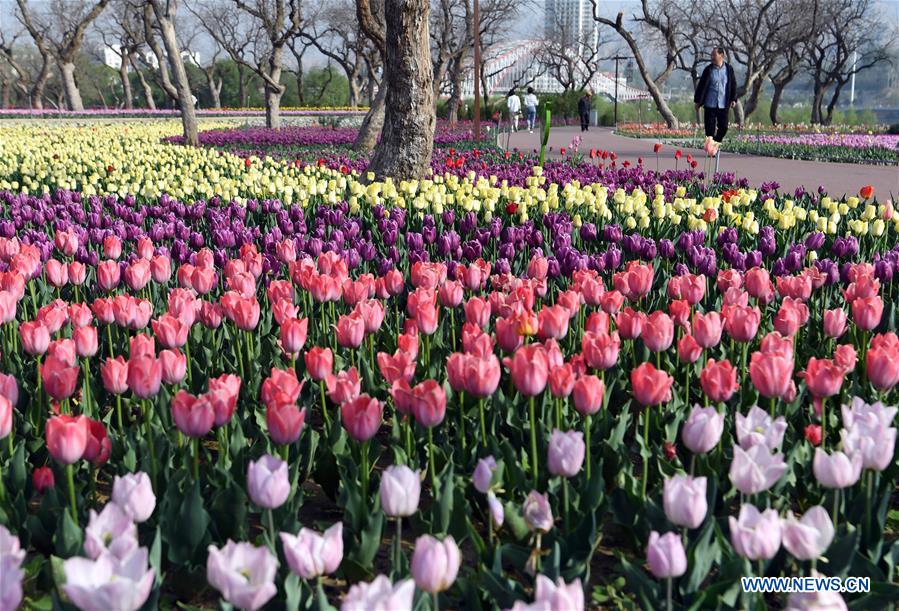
{"x": 513, "y": 103}
{"x": 530, "y": 109}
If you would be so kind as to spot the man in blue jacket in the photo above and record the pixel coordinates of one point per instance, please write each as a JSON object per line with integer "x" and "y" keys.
{"x": 717, "y": 93}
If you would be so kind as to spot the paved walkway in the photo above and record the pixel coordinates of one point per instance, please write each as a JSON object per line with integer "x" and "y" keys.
{"x": 836, "y": 178}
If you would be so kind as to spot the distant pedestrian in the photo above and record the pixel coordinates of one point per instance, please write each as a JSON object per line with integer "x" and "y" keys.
{"x": 717, "y": 93}
{"x": 530, "y": 109}
{"x": 513, "y": 103}
{"x": 583, "y": 109}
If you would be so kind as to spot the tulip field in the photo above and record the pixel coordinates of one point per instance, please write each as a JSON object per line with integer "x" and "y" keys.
{"x": 250, "y": 376}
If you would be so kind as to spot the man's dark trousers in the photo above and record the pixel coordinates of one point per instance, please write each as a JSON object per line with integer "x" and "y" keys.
{"x": 716, "y": 123}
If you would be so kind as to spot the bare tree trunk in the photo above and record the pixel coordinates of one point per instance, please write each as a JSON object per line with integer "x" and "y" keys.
{"x": 300, "y": 97}
{"x": 126, "y": 82}
{"x": 354, "y": 92}
{"x": 36, "y": 94}
{"x": 407, "y": 138}
{"x": 455, "y": 99}
{"x": 838, "y": 88}
{"x": 775, "y": 100}
{"x": 70, "y": 87}
{"x": 164, "y": 17}
{"x": 272, "y": 93}
{"x": 373, "y": 122}
{"x": 241, "y": 85}
{"x": 816, "y": 104}
{"x": 215, "y": 90}
{"x": 4, "y": 93}
{"x": 148, "y": 91}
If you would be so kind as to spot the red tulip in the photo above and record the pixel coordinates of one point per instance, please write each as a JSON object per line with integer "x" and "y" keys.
{"x": 43, "y": 479}
{"x": 650, "y": 386}
{"x": 361, "y": 417}
{"x": 813, "y": 434}
{"x": 59, "y": 378}
{"x": 719, "y": 380}
{"x": 866, "y": 192}
{"x": 192, "y": 415}
{"x": 98, "y": 446}
{"x": 66, "y": 438}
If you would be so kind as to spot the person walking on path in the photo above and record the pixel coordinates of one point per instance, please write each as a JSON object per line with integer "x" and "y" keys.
{"x": 530, "y": 109}
{"x": 513, "y": 103}
{"x": 717, "y": 93}
{"x": 583, "y": 109}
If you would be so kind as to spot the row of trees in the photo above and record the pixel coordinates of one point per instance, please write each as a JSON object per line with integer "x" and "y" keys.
{"x": 768, "y": 42}
{"x": 267, "y": 43}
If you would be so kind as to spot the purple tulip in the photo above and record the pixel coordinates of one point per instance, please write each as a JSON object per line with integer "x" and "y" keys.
{"x": 435, "y": 563}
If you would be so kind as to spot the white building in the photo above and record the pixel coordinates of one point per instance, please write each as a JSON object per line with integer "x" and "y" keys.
{"x": 571, "y": 21}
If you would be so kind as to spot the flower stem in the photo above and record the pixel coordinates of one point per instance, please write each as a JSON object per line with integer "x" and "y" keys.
{"x": 73, "y": 507}
{"x": 483, "y": 422}
{"x": 365, "y": 473}
{"x": 149, "y": 432}
{"x": 646, "y": 445}
{"x": 271, "y": 527}
{"x": 398, "y": 546}
{"x": 321, "y": 390}
{"x": 587, "y": 426}
{"x": 532, "y": 413}
{"x": 462, "y": 419}
{"x": 668, "y": 593}
{"x": 431, "y": 466}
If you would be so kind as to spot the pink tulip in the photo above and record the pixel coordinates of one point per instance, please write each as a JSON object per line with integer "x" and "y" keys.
{"x": 268, "y": 482}
{"x": 665, "y": 555}
{"x": 429, "y": 403}
{"x": 66, "y": 438}
{"x": 589, "y": 392}
{"x": 755, "y": 535}
{"x": 361, "y": 417}
{"x": 285, "y": 422}
{"x": 144, "y": 376}
{"x": 192, "y": 415}
{"x": 435, "y": 563}
{"x": 707, "y": 329}
{"x": 834, "y": 322}
{"x": 650, "y": 386}
{"x": 565, "y": 453}
{"x": 771, "y": 374}
{"x": 702, "y": 430}
{"x": 684, "y": 500}
{"x": 529, "y": 369}
{"x": 658, "y": 332}
{"x": 243, "y": 574}
{"x": 719, "y": 380}
{"x": 319, "y": 362}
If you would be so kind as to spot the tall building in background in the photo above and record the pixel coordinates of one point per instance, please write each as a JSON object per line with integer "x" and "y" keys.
{"x": 571, "y": 22}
